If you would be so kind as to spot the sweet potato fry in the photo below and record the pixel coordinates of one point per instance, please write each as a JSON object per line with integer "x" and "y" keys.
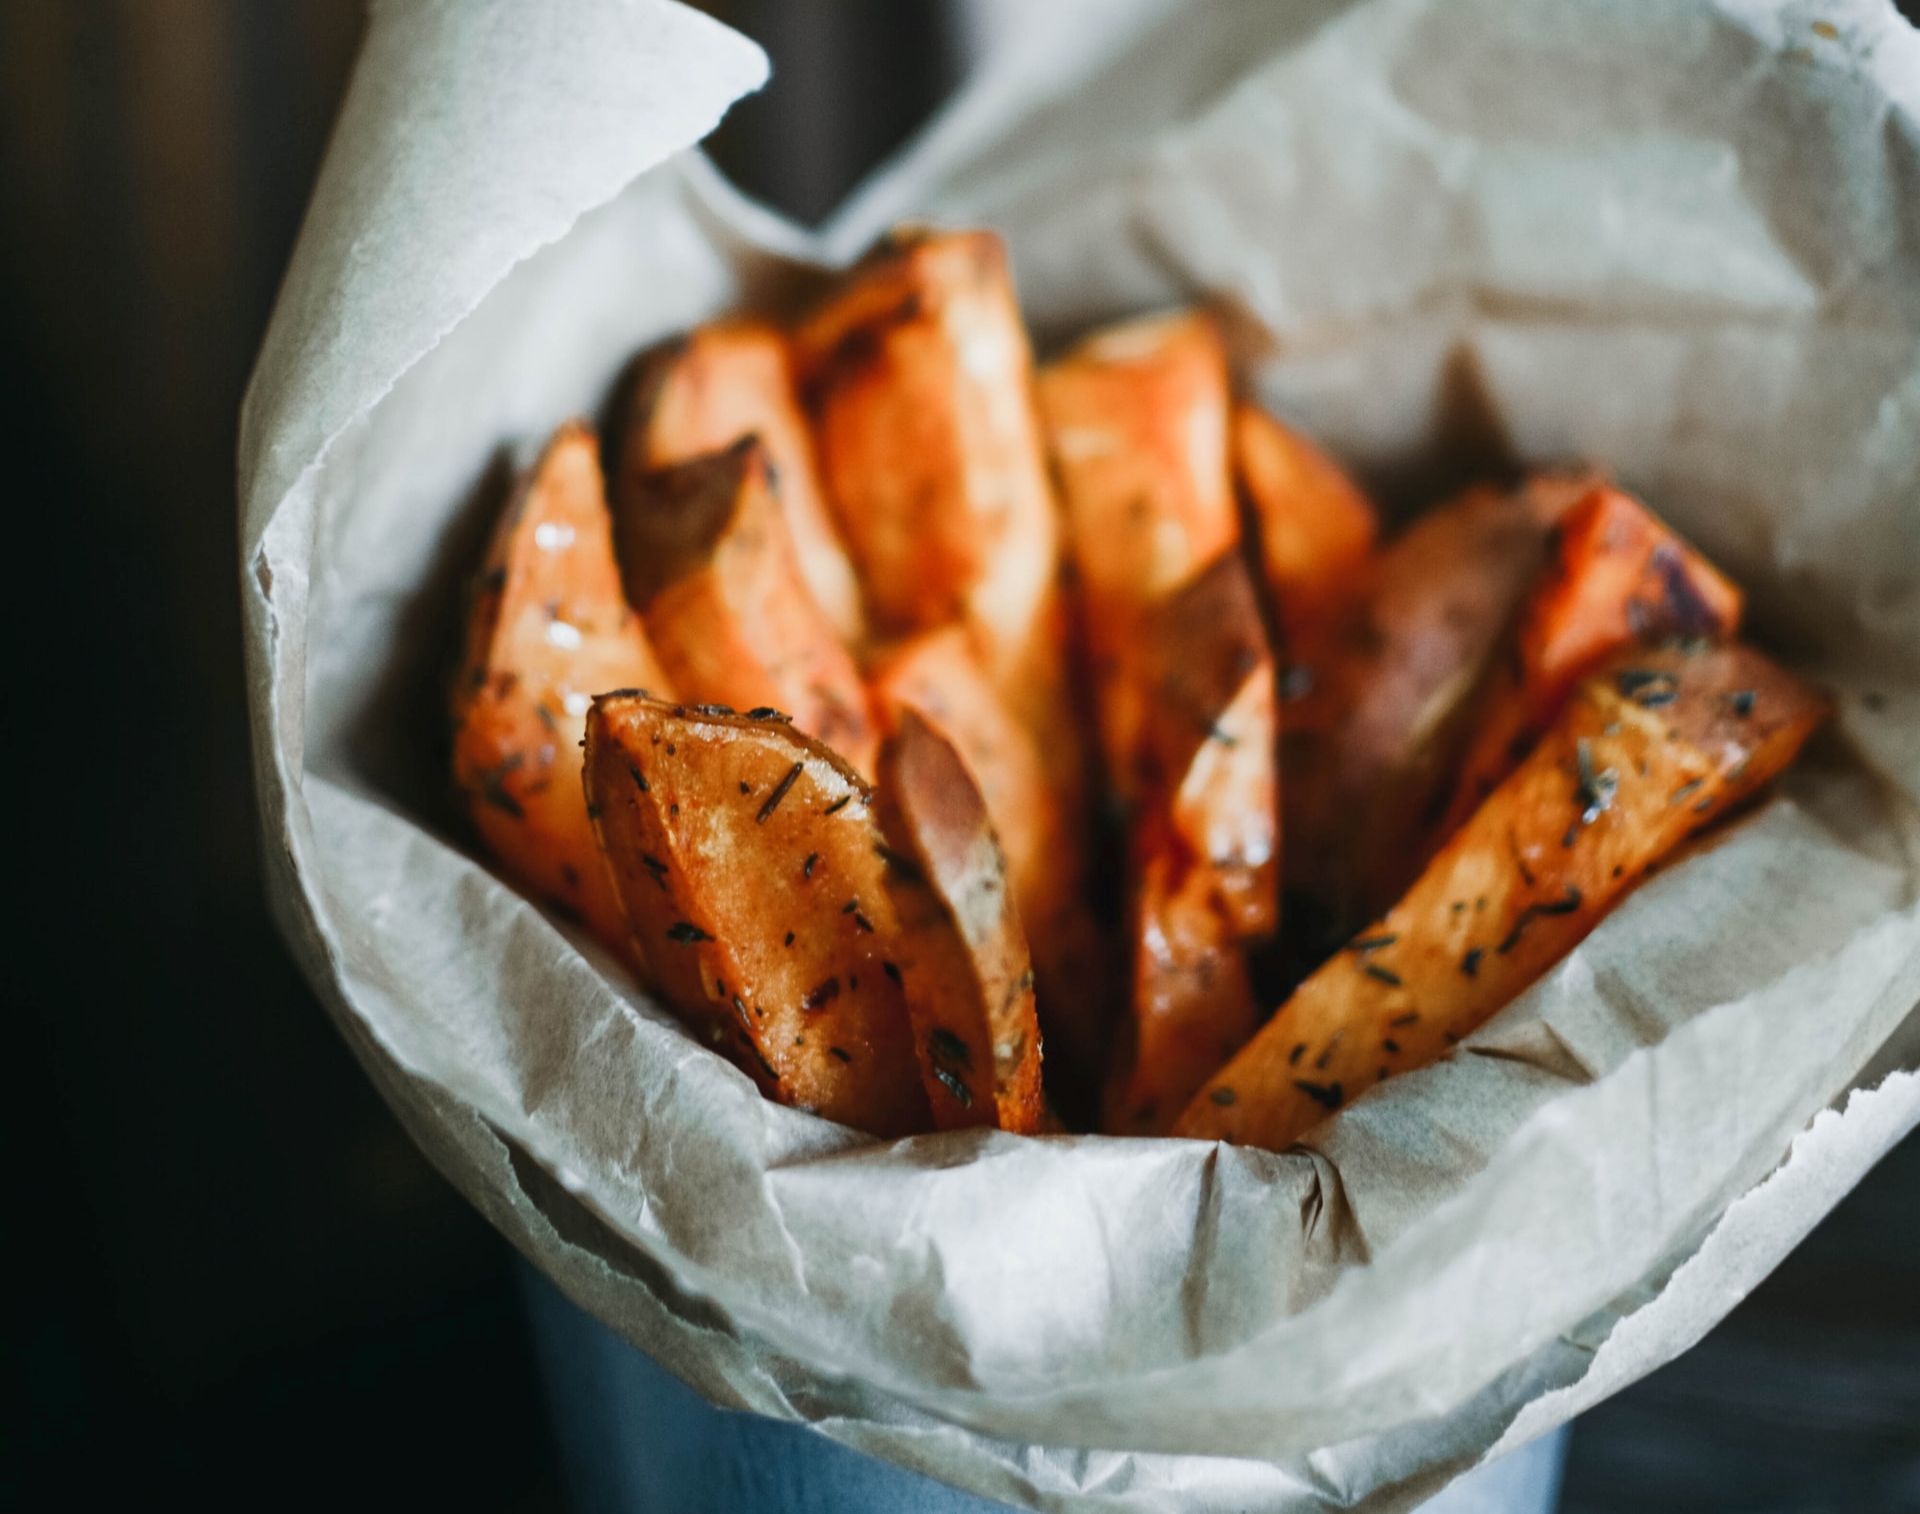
{"x": 1192, "y": 1001}
{"x": 703, "y": 392}
{"x": 1647, "y": 751}
{"x": 1616, "y": 574}
{"x": 1316, "y": 529}
{"x": 961, "y": 952}
{"x": 751, "y": 871}
{"x": 1204, "y": 854}
{"x": 1377, "y": 700}
{"x": 1136, "y": 419}
{"x": 937, "y": 676}
{"x": 707, "y": 559}
{"x": 919, "y": 379}
{"x": 548, "y": 628}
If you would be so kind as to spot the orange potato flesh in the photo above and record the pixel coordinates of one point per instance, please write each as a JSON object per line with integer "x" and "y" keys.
{"x": 751, "y": 872}
{"x": 1204, "y": 855}
{"x": 1136, "y": 419}
{"x": 1617, "y": 574}
{"x": 1377, "y": 698}
{"x": 706, "y": 557}
{"x": 1646, "y": 752}
{"x": 1316, "y": 529}
{"x": 548, "y": 629}
{"x": 1192, "y": 1000}
{"x": 703, "y": 392}
{"x": 918, "y": 376}
{"x": 937, "y": 676}
{"x": 961, "y": 954}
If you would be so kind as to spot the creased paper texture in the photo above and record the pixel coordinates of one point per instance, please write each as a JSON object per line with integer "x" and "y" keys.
{"x": 1681, "y": 240}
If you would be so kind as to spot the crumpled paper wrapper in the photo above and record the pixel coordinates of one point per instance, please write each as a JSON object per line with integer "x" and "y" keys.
{"x": 1683, "y": 240}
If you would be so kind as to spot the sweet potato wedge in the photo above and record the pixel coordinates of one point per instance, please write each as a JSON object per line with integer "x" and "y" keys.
{"x": 1315, "y": 529}
{"x": 1616, "y": 574}
{"x": 937, "y": 676}
{"x": 547, "y": 629}
{"x": 1647, "y": 751}
{"x": 1136, "y": 419}
{"x": 918, "y": 377}
{"x": 1192, "y": 1002}
{"x": 1377, "y": 700}
{"x": 706, "y": 557}
{"x": 703, "y": 392}
{"x": 752, "y": 873}
{"x": 1204, "y": 851}
{"x": 961, "y": 953}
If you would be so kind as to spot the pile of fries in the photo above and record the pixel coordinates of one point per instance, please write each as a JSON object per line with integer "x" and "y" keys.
{"x": 935, "y": 710}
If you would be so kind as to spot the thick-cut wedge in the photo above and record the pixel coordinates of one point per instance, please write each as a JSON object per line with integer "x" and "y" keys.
{"x": 962, "y": 953}
{"x": 1204, "y": 854}
{"x": 1646, "y": 752}
{"x": 548, "y": 629}
{"x": 1376, "y": 700}
{"x": 707, "y": 559}
{"x": 1136, "y": 420}
{"x": 1192, "y": 1001}
{"x": 1617, "y": 574}
{"x": 753, "y": 876}
{"x": 1316, "y": 529}
{"x": 704, "y": 391}
{"x": 1211, "y": 740}
{"x": 919, "y": 379}
{"x": 937, "y": 676}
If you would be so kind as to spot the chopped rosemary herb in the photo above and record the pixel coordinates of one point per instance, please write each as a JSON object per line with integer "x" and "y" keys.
{"x": 686, "y": 933}
{"x": 779, "y": 793}
{"x": 1328, "y": 1095}
{"x": 839, "y": 804}
{"x": 1224, "y": 1097}
{"x": 955, "y": 1086}
{"x": 947, "y": 1047}
{"x": 1365, "y": 944}
{"x": 822, "y": 996}
{"x": 841, "y": 1052}
{"x": 1470, "y": 963}
{"x": 806, "y": 868}
{"x": 1564, "y": 905}
{"x": 1385, "y": 975}
{"x": 1647, "y": 687}
{"x": 1594, "y": 792}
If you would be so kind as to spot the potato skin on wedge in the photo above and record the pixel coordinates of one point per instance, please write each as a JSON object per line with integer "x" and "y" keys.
{"x": 701, "y": 393}
{"x": 1616, "y": 574}
{"x": 547, "y": 629}
{"x": 752, "y": 874}
{"x": 1314, "y": 528}
{"x": 1378, "y": 699}
{"x": 937, "y": 677}
{"x": 707, "y": 558}
{"x": 1647, "y": 751}
{"x": 961, "y": 952}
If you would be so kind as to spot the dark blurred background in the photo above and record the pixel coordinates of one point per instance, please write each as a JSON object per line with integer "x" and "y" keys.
{"x": 235, "y": 1277}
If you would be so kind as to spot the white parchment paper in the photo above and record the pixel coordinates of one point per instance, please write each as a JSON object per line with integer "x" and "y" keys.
{"x": 1682, "y": 240}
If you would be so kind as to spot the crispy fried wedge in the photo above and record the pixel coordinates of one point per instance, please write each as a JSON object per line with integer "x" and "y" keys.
{"x": 1617, "y": 574}
{"x": 701, "y": 393}
{"x": 1136, "y": 419}
{"x": 961, "y": 952}
{"x": 1378, "y": 699}
{"x": 918, "y": 376}
{"x": 1204, "y": 851}
{"x": 707, "y": 559}
{"x": 1645, "y": 752}
{"x": 752, "y": 873}
{"x": 548, "y": 628}
{"x": 937, "y": 676}
{"x": 1316, "y": 529}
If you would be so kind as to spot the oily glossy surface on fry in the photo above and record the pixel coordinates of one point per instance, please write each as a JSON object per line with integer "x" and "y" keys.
{"x": 703, "y": 392}
{"x": 1314, "y": 528}
{"x": 962, "y": 952}
{"x": 548, "y": 629}
{"x": 1379, "y": 696}
{"x": 752, "y": 874}
{"x": 1652, "y": 748}
{"x": 1616, "y": 574}
{"x": 706, "y": 556}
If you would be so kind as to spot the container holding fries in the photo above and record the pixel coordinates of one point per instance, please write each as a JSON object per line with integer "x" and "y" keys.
{"x": 1433, "y": 248}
